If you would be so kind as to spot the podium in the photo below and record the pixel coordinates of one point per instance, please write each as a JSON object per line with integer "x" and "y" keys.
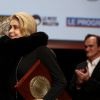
{"x": 36, "y": 83}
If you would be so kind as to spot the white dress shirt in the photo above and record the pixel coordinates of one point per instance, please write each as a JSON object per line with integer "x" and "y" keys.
{"x": 92, "y": 65}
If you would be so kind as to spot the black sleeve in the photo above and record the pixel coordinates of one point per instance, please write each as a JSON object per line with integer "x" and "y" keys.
{"x": 72, "y": 87}
{"x": 59, "y": 81}
{"x": 23, "y": 45}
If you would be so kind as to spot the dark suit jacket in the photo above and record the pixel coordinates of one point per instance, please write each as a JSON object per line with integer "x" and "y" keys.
{"x": 90, "y": 90}
{"x": 49, "y": 60}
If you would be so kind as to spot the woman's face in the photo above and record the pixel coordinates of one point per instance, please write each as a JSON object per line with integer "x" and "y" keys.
{"x": 14, "y": 31}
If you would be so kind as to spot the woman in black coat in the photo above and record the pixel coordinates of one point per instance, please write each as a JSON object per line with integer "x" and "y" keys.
{"x": 21, "y": 39}
{"x": 19, "y": 43}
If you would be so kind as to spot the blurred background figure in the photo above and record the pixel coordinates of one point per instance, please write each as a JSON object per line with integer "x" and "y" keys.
{"x": 4, "y": 26}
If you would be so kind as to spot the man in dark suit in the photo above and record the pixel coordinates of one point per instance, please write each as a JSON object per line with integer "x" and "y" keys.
{"x": 85, "y": 84}
{"x": 48, "y": 58}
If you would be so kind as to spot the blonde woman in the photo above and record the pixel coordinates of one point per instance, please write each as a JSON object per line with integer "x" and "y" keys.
{"x": 43, "y": 53}
{"x": 24, "y": 23}
{"x": 21, "y": 38}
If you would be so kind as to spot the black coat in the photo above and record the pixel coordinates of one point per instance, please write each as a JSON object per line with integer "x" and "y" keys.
{"x": 11, "y": 50}
{"x": 48, "y": 58}
{"x": 90, "y": 90}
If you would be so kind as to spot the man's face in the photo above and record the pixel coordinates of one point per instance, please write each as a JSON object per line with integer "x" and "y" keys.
{"x": 91, "y": 48}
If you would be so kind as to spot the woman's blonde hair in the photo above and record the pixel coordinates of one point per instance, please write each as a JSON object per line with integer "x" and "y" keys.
{"x": 27, "y": 23}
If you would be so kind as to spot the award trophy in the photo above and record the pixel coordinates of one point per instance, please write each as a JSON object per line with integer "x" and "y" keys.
{"x": 36, "y": 83}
